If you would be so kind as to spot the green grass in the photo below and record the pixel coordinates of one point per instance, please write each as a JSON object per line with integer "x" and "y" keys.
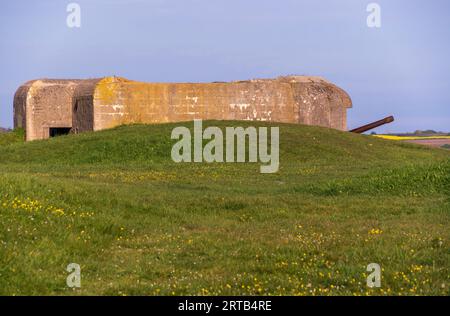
{"x": 14, "y": 136}
{"x": 138, "y": 223}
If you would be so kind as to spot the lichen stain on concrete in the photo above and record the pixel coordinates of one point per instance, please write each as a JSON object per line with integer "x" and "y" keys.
{"x": 95, "y": 104}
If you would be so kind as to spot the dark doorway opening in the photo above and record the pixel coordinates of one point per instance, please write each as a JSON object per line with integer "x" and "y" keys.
{"x": 58, "y": 131}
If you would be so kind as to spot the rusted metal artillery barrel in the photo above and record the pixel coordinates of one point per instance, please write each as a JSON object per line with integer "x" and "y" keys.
{"x": 372, "y": 125}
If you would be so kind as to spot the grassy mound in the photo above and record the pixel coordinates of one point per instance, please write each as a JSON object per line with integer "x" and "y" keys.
{"x": 138, "y": 223}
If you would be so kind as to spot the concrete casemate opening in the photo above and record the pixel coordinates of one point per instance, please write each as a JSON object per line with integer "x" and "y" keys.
{"x": 58, "y": 131}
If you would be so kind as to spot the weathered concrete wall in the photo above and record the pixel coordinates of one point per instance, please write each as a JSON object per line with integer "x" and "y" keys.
{"x": 47, "y": 103}
{"x": 295, "y": 99}
{"x": 96, "y": 104}
{"x": 20, "y": 104}
{"x": 320, "y": 102}
{"x": 83, "y": 106}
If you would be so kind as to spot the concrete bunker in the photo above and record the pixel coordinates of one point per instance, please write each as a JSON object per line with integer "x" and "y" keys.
{"x": 44, "y": 107}
{"x": 50, "y": 107}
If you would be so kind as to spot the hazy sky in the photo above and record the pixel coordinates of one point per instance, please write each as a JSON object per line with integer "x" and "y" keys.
{"x": 402, "y": 68}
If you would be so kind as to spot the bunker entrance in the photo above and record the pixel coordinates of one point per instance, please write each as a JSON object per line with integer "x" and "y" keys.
{"x": 58, "y": 131}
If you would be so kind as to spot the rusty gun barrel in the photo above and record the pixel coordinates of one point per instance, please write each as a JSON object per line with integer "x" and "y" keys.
{"x": 372, "y": 125}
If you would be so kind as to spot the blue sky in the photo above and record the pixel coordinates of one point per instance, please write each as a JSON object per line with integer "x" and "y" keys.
{"x": 402, "y": 68}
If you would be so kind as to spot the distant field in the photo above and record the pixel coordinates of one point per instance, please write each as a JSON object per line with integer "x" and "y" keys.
{"x": 395, "y": 137}
{"x": 434, "y": 141}
{"x": 138, "y": 223}
{"x": 444, "y": 143}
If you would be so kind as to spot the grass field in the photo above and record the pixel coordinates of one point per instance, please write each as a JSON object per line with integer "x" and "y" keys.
{"x": 138, "y": 223}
